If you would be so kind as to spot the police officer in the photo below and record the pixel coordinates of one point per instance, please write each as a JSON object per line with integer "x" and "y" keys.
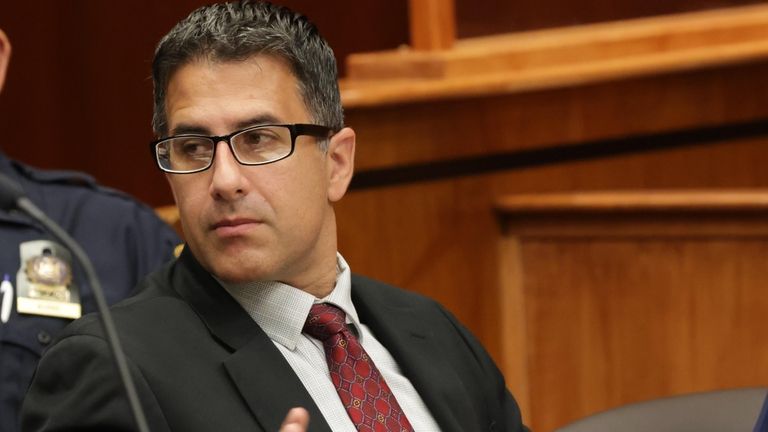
{"x": 42, "y": 290}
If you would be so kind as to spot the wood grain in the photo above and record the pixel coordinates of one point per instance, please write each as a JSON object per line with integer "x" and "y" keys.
{"x": 636, "y": 314}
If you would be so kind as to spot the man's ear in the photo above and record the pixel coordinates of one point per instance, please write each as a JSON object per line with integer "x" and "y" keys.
{"x": 5, "y": 56}
{"x": 341, "y": 163}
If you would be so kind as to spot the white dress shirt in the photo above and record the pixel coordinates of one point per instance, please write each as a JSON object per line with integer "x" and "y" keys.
{"x": 281, "y": 310}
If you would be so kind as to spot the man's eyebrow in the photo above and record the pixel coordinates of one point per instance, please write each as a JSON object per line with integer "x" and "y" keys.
{"x": 183, "y": 129}
{"x": 188, "y": 129}
{"x": 258, "y": 120}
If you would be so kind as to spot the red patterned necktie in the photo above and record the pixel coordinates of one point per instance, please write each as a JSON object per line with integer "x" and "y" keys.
{"x": 363, "y": 391}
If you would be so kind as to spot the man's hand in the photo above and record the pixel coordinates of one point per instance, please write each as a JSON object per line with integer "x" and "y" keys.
{"x": 297, "y": 420}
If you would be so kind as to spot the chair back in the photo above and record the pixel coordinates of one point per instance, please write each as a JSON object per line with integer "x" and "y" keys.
{"x": 734, "y": 410}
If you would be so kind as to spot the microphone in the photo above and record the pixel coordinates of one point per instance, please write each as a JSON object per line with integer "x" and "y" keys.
{"x": 12, "y": 197}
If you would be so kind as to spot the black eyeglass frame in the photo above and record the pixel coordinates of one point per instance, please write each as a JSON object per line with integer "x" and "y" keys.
{"x": 296, "y": 129}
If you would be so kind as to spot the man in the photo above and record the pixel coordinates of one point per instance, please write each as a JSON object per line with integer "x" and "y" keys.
{"x": 124, "y": 239}
{"x": 260, "y": 313}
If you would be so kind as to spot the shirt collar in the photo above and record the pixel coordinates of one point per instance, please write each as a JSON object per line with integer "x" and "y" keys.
{"x": 281, "y": 310}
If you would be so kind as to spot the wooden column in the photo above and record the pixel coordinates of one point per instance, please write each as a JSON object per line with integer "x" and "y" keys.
{"x": 432, "y": 24}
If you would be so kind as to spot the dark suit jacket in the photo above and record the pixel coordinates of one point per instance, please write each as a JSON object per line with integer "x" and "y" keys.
{"x": 200, "y": 363}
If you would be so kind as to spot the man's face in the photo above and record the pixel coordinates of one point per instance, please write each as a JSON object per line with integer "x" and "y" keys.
{"x": 266, "y": 222}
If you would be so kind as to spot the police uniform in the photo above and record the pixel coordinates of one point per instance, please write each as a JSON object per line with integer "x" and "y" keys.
{"x": 124, "y": 239}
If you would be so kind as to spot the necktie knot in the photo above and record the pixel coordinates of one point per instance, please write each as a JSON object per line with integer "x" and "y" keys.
{"x": 324, "y": 321}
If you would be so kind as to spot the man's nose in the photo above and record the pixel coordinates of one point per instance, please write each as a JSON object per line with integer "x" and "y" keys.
{"x": 227, "y": 181}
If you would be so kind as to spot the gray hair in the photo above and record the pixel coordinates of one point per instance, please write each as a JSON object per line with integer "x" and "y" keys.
{"x": 236, "y": 32}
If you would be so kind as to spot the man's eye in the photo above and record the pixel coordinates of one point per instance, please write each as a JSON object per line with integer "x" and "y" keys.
{"x": 195, "y": 147}
{"x": 257, "y": 137}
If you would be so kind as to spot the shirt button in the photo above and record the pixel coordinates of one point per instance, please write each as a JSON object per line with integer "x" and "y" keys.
{"x": 43, "y": 337}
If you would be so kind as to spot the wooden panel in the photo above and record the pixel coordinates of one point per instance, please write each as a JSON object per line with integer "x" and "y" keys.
{"x": 619, "y": 322}
{"x": 618, "y": 315}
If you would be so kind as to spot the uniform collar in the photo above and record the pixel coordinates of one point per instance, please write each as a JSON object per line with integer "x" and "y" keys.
{"x": 11, "y": 169}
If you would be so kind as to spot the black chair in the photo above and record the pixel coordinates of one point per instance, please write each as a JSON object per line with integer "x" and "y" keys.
{"x": 734, "y": 410}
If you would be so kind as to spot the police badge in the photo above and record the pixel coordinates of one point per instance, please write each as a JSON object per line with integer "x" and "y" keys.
{"x": 44, "y": 281}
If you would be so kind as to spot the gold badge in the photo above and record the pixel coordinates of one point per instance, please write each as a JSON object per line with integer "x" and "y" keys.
{"x": 44, "y": 281}
{"x": 48, "y": 277}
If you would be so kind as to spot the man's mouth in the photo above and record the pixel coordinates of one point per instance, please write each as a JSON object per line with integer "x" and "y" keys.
{"x": 234, "y": 226}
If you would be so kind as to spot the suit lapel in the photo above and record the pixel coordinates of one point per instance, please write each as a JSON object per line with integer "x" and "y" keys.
{"x": 411, "y": 342}
{"x": 270, "y": 386}
{"x": 260, "y": 373}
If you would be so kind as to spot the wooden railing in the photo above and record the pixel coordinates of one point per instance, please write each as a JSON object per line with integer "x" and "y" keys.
{"x": 437, "y": 69}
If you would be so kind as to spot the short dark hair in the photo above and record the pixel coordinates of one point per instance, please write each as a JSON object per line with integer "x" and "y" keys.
{"x": 239, "y": 30}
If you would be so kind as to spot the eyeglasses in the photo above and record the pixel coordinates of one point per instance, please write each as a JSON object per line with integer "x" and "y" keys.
{"x": 257, "y": 145}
